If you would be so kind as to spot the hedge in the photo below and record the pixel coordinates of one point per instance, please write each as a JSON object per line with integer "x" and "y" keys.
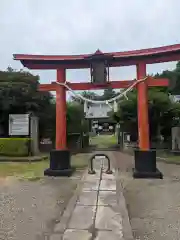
{"x": 16, "y": 147}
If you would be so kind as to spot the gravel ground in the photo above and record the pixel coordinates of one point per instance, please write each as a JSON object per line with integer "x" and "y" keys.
{"x": 153, "y": 205}
{"x": 29, "y": 210}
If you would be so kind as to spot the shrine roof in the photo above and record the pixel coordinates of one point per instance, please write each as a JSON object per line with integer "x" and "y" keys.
{"x": 126, "y": 58}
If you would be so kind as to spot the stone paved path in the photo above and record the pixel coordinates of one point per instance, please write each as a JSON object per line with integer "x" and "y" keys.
{"x": 96, "y": 213}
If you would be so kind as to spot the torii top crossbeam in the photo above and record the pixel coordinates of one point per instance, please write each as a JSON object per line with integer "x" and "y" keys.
{"x": 148, "y": 56}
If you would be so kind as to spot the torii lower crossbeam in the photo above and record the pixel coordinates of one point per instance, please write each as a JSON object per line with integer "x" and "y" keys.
{"x": 84, "y": 86}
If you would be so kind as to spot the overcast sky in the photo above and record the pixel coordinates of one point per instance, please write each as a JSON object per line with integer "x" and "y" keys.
{"x": 83, "y": 26}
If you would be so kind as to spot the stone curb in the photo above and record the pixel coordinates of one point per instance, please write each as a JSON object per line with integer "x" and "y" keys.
{"x": 159, "y": 159}
{"x": 62, "y": 225}
{"x": 126, "y": 226}
{"x": 23, "y": 159}
{"x": 165, "y": 160}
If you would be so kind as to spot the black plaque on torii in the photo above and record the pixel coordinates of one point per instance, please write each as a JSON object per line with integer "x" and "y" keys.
{"x": 99, "y": 67}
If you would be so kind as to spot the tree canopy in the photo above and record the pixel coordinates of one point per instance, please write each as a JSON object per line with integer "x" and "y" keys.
{"x": 19, "y": 94}
{"x": 107, "y": 94}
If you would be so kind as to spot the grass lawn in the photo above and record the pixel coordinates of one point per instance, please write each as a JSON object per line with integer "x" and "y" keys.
{"x": 170, "y": 158}
{"x": 35, "y": 171}
{"x": 104, "y": 141}
{"x": 174, "y": 158}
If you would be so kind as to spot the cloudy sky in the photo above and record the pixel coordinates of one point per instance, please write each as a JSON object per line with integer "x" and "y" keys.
{"x": 83, "y": 26}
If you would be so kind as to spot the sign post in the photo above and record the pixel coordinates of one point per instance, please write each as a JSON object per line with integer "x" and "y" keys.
{"x": 19, "y": 124}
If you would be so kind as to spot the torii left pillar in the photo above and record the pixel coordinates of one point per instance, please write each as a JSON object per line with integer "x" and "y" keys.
{"x": 60, "y": 157}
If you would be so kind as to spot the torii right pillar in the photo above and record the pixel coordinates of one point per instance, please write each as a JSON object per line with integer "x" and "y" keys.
{"x": 145, "y": 158}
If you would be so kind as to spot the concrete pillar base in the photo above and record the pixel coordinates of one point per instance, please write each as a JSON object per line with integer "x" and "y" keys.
{"x": 145, "y": 165}
{"x": 59, "y": 164}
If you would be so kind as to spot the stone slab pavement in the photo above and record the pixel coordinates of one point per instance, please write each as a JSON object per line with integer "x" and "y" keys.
{"x": 99, "y": 210}
{"x": 153, "y": 204}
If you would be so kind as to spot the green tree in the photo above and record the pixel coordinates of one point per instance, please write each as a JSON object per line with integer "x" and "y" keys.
{"x": 162, "y": 113}
{"x": 174, "y": 79}
{"x": 108, "y": 94}
{"x": 86, "y": 94}
{"x": 19, "y": 94}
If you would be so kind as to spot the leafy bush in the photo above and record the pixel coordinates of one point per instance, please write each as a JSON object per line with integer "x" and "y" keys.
{"x": 16, "y": 147}
{"x": 75, "y": 119}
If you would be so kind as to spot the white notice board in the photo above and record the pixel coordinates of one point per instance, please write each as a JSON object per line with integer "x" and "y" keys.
{"x": 98, "y": 111}
{"x": 18, "y": 124}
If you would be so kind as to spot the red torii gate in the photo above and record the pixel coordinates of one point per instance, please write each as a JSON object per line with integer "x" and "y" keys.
{"x": 145, "y": 159}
